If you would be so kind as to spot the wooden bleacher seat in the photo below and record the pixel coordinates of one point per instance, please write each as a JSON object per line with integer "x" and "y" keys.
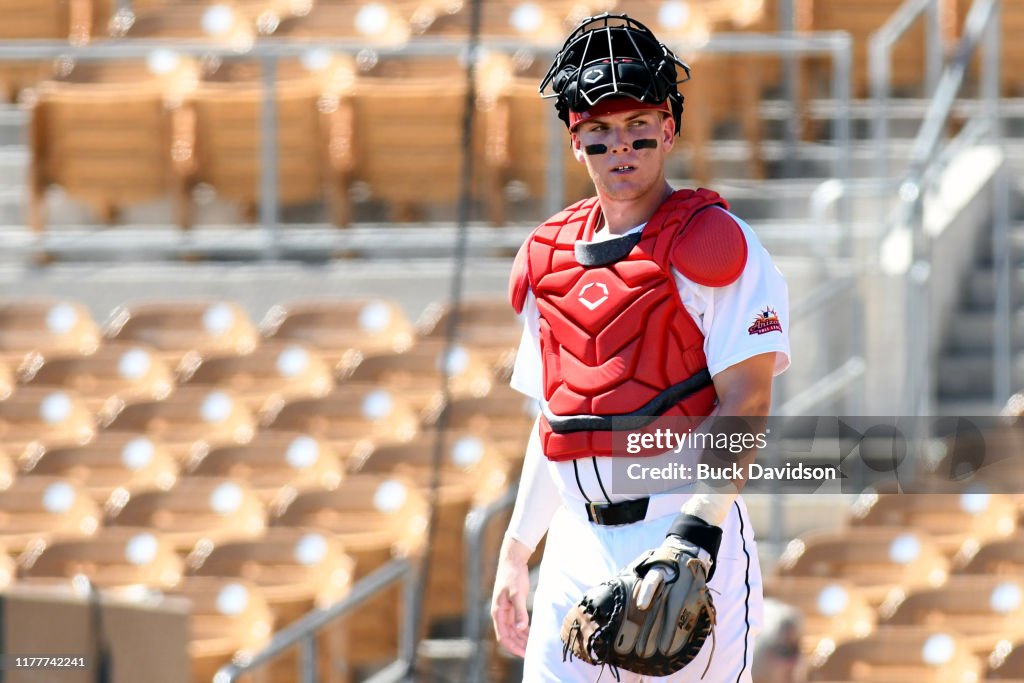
{"x": 518, "y": 143}
{"x": 875, "y": 559}
{"x": 1006, "y": 663}
{"x": 503, "y": 417}
{"x": 8, "y": 469}
{"x": 8, "y": 569}
{"x": 405, "y": 129}
{"x": 230, "y": 619}
{"x": 376, "y": 519}
{"x": 6, "y": 381}
{"x": 111, "y": 466}
{"x": 36, "y": 418}
{"x": 113, "y": 557}
{"x": 106, "y": 145}
{"x": 833, "y": 610}
{"x": 76, "y": 21}
{"x": 389, "y": 23}
{"x": 469, "y": 478}
{"x": 898, "y": 654}
{"x": 1004, "y": 557}
{"x": 190, "y": 421}
{"x": 487, "y": 325}
{"x": 861, "y": 18}
{"x": 116, "y": 375}
{"x": 982, "y": 610}
{"x": 184, "y": 332}
{"x": 275, "y": 373}
{"x": 46, "y": 507}
{"x": 273, "y": 460}
{"x": 36, "y": 330}
{"x": 296, "y": 570}
{"x": 543, "y": 24}
{"x": 348, "y": 415}
{"x": 227, "y": 133}
{"x": 208, "y": 509}
{"x": 338, "y": 327}
{"x": 949, "y": 519}
{"x": 415, "y": 374}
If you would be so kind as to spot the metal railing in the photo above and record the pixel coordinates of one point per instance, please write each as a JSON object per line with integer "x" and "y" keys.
{"x": 268, "y": 51}
{"x": 880, "y": 49}
{"x": 926, "y": 160}
{"x": 303, "y": 633}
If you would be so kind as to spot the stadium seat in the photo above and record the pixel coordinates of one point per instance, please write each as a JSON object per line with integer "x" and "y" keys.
{"x": 36, "y": 418}
{"x": 982, "y": 610}
{"x": 897, "y": 654}
{"x": 1004, "y": 557}
{"x": 116, "y": 375}
{"x": 861, "y": 19}
{"x": 228, "y": 144}
{"x": 389, "y": 23}
{"x": 405, "y": 129}
{"x": 230, "y": 621}
{"x": 114, "y": 464}
{"x": 296, "y": 570}
{"x": 503, "y": 417}
{"x": 875, "y": 559}
{"x": 470, "y": 477}
{"x": 6, "y": 381}
{"x": 8, "y": 470}
{"x": 189, "y": 422}
{"x": 112, "y": 557}
{"x": 107, "y": 145}
{"x": 1006, "y": 663}
{"x": 487, "y": 325}
{"x": 415, "y": 374}
{"x": 8, "y": 570}
{"x": 209, "y": 509}
{"x": 185, "y": 332}
{"x": 36, "y": 330}
{"x": 272, "y": 460}
{"x": 833, "y": 610}
{"x": 376, "y": 519}
{"x": 339, "y": 327}
{"x": 949, "y": 519}
{"x": 264, "y": 380}
{"x": 45, "y": 507}
{"x": 349, "y": 415}
{"x": 76, "y": 21}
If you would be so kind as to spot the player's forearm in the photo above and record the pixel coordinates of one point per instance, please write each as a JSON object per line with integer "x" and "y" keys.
{"x": 536, "y": 500}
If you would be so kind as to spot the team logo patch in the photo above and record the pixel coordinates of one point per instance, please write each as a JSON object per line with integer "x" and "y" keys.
{"x": 765, "y": 322}
{"x": 593, "y": 295}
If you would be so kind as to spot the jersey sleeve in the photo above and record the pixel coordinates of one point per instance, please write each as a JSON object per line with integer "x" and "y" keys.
{"x": 527, "y": 372}
{"x": 746, "y": 318}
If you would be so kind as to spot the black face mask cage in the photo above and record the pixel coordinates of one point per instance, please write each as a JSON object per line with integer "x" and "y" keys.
{"x": 613, "y": 55}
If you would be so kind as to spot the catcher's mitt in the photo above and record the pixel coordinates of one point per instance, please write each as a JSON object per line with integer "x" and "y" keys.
{"x": 607, "y": 626}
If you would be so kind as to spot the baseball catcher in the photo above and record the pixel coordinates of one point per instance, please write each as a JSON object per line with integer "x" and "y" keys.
{"x": 638, "y": 306}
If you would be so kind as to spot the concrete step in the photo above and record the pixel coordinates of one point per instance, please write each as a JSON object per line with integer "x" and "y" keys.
{"x": 13, "y": 125}
{"x": 14, "y": 162}
{"x": 980, "y": 288}
{"x": 973, "y": 331}
{"x": 962, "y": 375}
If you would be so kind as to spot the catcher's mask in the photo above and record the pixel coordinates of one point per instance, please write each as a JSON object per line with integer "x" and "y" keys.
{"x": 612, "y": 55}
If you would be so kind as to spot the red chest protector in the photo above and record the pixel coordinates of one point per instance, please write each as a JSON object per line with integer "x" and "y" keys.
{"x": 616, "y": 340}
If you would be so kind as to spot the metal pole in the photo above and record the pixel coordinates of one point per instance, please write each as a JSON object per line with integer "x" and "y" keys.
{"x": 842, "y": 88}
{"x": 933, "y": 46}
{"x": 879, "y": 68}
{"x": 268, "y": 157}
{"x": 791, "y": 88}
{"x": 1002, "y": 347}
{"x": 307, "y": 660}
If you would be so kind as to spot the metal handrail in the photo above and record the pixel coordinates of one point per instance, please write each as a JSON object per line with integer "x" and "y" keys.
{"x": 477, "y": 523}
{"x": 837, "y": 45}
{"x": 880, "y": 48}
{"x": 909, "y": 213}
{"x": 304, "y": 631}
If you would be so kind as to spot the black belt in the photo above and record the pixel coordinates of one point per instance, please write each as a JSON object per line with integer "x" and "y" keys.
{"x": 612, "y": 514}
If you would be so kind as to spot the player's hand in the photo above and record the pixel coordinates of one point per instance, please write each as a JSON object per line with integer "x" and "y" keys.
{"x": 508, "y": 603}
